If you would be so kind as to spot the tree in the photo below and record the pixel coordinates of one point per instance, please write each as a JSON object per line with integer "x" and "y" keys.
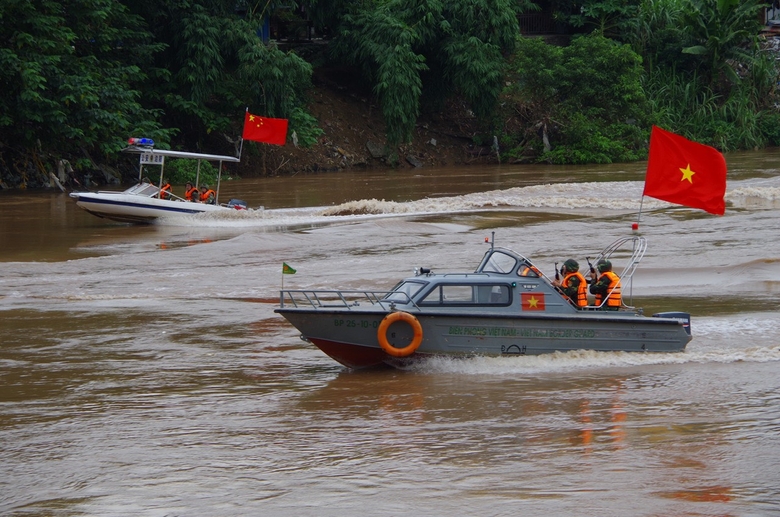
{"x": 585, "y": 99}
{"x": 611, "y": 18}
{"x": 408, "y": 49}
{"x": 722, "y": 33}
{"x": 79, "y": 78}
{"x": 70, "y": 74}
{"x": 707, "y": 77}
{"x": 213, "y": 66}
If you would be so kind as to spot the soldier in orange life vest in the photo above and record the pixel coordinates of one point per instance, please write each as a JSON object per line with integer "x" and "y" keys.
{"x": 573, "y": 285}
{"x": 190, "y": 192}
{"x": 165, "y": 191}
{"x": 607, "y": 285}
{"x": 207, "y": 195}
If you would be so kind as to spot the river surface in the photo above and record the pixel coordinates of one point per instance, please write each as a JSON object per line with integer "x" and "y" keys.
{"x": 143, "y": 371}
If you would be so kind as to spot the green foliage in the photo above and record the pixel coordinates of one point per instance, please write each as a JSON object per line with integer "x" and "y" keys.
{"x": 610, "y": 18}
{"x": 180, "y": 171}
{"x": 411, "y": 48}
{"x": 708, "y": 78}
{"x": 587, "y": 99}
{"x": 591, "y": 141}
{"x": 306, "y": 128}
{"x": 769, "y": 126}
{"x": 720, "y": 34}
{"x": 71, "y": 72}
{"x": 710, "y": 39}
{"x": 218, "y": 66}
{"x": 658, "y": 37}
{"x": 79, "y": 78}
{"x": 694, "y": 109}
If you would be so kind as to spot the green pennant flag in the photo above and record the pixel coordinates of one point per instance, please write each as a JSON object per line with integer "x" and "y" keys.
{"x": 287, "y": 270}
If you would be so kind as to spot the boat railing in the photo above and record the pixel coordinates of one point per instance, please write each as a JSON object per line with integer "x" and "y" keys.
{"x": 321, "y": 299}
{"x": 637, "y": 246}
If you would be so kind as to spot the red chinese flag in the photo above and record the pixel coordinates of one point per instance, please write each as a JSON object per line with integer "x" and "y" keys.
{"x": 264, "y": 129}
{"x": 685, "y": 173}
{"x": 532, "y": 301}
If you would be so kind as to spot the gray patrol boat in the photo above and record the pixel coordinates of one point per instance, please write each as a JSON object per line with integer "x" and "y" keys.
{"x": 505, "y": 307}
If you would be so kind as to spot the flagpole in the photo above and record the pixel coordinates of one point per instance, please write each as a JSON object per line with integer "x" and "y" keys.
{"x": 241, "y": 145}
{"x": 635, "y": 226}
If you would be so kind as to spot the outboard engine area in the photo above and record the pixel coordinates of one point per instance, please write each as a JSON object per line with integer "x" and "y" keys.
{"x": 237, "y": 204}
{"x": 682, "y": 317}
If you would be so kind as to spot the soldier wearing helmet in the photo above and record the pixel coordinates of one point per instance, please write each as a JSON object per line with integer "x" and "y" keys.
{"x": 573, "y": 285}
{"x": 207, "y": 195}
{"x": 606, "y": 287}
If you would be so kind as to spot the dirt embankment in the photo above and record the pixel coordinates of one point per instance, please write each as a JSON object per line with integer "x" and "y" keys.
{"x": 354, "y": 137}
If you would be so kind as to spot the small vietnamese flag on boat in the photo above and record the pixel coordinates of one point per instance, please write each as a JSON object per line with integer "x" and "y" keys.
{"x": 264, "y": 129}
{"x": 686, "y": 173}
{"x": 532, "y": 301}
{"x": 287, "y": 270}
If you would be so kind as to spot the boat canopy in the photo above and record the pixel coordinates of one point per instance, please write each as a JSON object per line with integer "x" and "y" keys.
{"x": 152, "y": 156}
{"x": 180, "y": 154}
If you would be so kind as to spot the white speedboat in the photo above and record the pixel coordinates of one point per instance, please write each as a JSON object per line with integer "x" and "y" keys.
{"x": 142, "y": 203}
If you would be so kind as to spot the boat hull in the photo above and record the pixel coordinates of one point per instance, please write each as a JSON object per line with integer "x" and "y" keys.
{"x": 350, "y": 337}
{"x": 129, "y": 208}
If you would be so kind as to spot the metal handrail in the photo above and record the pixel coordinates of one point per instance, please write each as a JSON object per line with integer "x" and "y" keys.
{"x": 638, "y": 250}
{"x": 321, "y": 299}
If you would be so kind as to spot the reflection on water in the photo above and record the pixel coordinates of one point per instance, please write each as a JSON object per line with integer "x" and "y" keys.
{"x": 143, "y": 371}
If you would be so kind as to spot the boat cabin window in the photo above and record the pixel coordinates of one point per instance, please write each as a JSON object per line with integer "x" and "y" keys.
{"x": 528, "y": 269}
{"x": 404, "y": 291}
{"x": 500, "y": 263}
{"x": 483, "y": 294}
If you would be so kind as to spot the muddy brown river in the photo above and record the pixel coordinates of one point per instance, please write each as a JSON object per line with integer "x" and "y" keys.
{"x": 143, "y": 371}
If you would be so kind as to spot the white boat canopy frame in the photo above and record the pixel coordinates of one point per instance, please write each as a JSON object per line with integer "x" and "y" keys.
{"x": 152, "y": 156}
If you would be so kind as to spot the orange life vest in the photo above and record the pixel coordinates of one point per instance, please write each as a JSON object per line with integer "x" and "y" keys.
{"x": 614, "y": 298}
{"x": 206, "y": 195}
{"x": 192, "y": 191}
{"x": 165, "y": 191}
{"x": 582, "y": 289}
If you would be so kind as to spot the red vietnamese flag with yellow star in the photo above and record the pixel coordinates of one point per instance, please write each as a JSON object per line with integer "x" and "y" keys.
{"x": 532, "y": 301}
{"x": 264, "y": 129}
{"x": 686, "y": 173}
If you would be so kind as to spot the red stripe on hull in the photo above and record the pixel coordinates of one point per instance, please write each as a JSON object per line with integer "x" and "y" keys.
{"x": 351, "y": 356}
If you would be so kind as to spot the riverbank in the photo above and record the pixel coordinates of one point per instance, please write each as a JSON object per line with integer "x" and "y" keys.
{"x": 354, "y": 136}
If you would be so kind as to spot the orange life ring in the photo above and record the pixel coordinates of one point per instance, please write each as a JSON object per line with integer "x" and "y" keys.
{"x": 381, "y": 334}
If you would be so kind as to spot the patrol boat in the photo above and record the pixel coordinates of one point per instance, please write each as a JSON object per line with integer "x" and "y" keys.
{"x": 506, "y": 307}
{"x": 144, "y": 202}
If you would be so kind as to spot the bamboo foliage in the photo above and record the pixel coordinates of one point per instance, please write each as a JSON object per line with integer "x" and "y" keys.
{"x": 70, "y": 74}
{"x": 408, "y": 47}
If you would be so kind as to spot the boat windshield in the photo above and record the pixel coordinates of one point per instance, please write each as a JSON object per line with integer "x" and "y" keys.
{"x": 499, "y": 262}
{"x": 404, "y": 291}
{"x": 143, "y": 189}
